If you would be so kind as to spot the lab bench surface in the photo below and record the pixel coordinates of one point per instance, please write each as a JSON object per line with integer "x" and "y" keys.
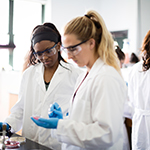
{"x": 30, "y": 145}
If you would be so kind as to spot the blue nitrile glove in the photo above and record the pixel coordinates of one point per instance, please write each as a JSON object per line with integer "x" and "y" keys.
{"x": 55, "y": 111}
{"x": 56, "y": 114}
{"x": 50, "y": 123}
{"x": 1, "y": 126}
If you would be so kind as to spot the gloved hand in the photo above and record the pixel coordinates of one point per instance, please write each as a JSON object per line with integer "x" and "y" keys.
{"x": 1, "y": 126}
{"x": 55, "y": 111}
{"x": 8, "y": 129}
{"x": 50, "y": 123}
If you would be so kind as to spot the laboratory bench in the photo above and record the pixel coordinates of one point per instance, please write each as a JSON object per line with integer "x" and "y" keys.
{"x": 29, "y": 145}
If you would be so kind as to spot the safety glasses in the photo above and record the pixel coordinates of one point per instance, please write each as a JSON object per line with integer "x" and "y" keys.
{"x": 73, "y": 50}
{"x": 47, "y": 52}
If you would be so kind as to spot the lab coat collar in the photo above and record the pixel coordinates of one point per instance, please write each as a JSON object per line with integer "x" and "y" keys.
{"x": 58, "y": 75}
{"x": 95, "y": 68}
{"x": 39, "y": 76}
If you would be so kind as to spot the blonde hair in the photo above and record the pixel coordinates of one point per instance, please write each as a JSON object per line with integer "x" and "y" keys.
{"x": 92, "y": 26}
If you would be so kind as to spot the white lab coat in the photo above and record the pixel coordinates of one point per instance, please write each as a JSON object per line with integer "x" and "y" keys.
{"x": 35, "y": 100}
{"x": 95, "y": 120}
{"x": 139, "y": 96}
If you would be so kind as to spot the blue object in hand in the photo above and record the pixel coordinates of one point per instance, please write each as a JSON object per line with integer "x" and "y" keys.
{"x": 55, "y": 111}
{"x": 50, "y": 123}
{"x": 67, "y": 114}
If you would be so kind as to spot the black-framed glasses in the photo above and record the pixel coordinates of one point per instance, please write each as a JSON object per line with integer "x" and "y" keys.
{"x": 74, "y": 50}
{"x": 48, "y": 52}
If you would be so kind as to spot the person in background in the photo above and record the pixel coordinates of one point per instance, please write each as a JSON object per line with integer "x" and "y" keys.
{"x": 121, "y": 57}
{"x": 120, "y": 54}
{"x": 95, "y": 118}
{"x": 46, "y": 79}
{"x": 139, "y": 97}
{"x": 133, "y": 59}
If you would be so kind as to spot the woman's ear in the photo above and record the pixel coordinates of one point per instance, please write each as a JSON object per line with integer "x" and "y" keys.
{"x": 92, "y": 43}
{"x": 58, "y": 46}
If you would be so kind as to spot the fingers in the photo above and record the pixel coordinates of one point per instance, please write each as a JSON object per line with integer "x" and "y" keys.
{"x": 56, "y": 106}
{"x": 50, "y": 114}
{"x": 38, "y": 122}
{"x": 59, "y": 109}
{"x": 43, "y": 120}
{"x": 53, "y": 107}
{"x": 36, "y": 117}
{"x": 46, "y": 123}
{"x": 58, "y": 113}
{"x": 35, "y": 120}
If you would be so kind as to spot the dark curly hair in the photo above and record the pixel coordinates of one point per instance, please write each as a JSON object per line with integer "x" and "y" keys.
{"x": 146, "y": 51}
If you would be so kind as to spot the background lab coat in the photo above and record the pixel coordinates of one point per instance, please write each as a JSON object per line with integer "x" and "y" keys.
{"x": 139, "y": 96}
{"x": 96, "y": 116}
{"x": 35, "y": 100}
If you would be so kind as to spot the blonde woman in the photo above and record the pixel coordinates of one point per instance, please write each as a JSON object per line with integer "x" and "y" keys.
{"x": 95, "y": 118}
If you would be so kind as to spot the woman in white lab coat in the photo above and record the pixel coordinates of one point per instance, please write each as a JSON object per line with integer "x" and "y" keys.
{"x": 95, "y": 118}
{"x": 139, "y": 97}
{"x": 43, "y": 83}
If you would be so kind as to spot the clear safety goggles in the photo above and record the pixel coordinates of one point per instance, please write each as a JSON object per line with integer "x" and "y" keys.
{"x": 73, "y": 50}
{"x": 47, "y": 52}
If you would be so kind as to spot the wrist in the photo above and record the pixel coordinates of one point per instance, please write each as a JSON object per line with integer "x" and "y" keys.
{"x": 8, "y": 127}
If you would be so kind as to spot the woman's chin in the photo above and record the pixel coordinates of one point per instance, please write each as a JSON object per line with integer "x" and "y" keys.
{"x": 80, "y": 65}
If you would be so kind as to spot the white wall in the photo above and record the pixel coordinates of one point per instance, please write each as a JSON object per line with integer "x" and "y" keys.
{"x": 145, "y": 17}
{"x": 117, "y": 14}
{"x": 9, "y": 83}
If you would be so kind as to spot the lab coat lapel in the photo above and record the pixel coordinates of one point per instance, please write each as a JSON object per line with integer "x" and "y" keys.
{"x": 57, "y": 77}
{"x": 39, "y": 76}
{"x": 94, "y": 70}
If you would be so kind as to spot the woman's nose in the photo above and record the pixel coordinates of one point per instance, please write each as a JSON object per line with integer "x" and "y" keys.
{"x": 70, "y": 56}
{"x": 44, "y": 56}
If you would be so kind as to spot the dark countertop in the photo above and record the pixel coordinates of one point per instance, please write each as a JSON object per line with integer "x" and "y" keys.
{"x": 30, "y": 145}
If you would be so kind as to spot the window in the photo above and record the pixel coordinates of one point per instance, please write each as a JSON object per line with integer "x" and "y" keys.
{"x": 119, "y": 36}
{"x": 4, "y": 17}
{"x": 18, "y": 18}
{"x": 27, "y": 14}
{"x": 4, "y": 38}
